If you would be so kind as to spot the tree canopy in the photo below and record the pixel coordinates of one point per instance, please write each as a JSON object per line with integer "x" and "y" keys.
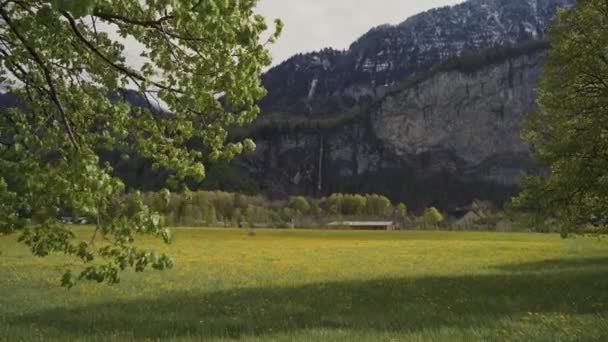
{"x": 402, "y": 210}
{"x": 569, "y": 128}
{"x": 198, "y": 72}
{"x": 299, "y": 204}
{"x": 432, "y": 217}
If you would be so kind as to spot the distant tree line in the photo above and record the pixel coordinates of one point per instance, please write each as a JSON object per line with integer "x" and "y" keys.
{"x": 213, "y": 208}
{"x": 225, "y": 209}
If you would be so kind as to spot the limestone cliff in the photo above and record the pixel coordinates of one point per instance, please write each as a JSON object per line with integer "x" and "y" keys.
{"x": 475, "y": 117}
{"x": 419, "y": 111}
{"x": 443, "y": 139}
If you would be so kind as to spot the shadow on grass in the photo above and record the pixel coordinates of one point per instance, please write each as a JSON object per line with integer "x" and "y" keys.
{"x": 557, "y": 265}
{"x": 385, "y": 304}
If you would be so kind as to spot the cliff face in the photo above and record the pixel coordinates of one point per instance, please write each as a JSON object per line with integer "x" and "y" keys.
{"x": 404, "y": 112}
{"x": 475, "y": 117}
{"x": 444, "y": 139}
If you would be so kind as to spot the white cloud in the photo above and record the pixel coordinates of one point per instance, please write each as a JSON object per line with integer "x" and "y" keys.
{"x": 315, "y": 24}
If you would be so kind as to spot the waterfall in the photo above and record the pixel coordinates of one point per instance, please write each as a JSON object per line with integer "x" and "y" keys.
{"x": 320, "y": 165}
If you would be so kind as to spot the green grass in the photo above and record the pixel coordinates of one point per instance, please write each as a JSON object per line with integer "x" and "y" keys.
{"x": 323, "y": 286}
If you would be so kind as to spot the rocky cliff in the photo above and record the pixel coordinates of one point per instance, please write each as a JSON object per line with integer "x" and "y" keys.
{"x": 428, "y": 111}
{"x": 443, "y": 138}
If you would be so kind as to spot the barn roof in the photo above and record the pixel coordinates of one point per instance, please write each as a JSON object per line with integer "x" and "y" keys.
{"x": 362, "y": 223}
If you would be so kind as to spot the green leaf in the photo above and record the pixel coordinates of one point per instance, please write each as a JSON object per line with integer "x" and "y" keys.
{"x": 53, "y": 167}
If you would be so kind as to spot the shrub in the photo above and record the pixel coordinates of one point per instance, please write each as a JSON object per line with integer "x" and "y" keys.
{"x": 353, "y": 204}
{"x": 401, "y": 210}
{"x": 377, "y": 205}
{"x": 332, "y": 204}
{"x": 432, "y": 217}
{"x": 300, "y": 204}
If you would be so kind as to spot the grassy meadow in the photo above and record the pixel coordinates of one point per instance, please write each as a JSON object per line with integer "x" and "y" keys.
{"x": 293, "y": 285}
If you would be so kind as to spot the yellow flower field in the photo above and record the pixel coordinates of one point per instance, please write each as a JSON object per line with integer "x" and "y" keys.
{"x": 296, "y": 285}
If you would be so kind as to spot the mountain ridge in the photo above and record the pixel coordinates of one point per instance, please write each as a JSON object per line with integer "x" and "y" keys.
{"x": 328, "y": 81}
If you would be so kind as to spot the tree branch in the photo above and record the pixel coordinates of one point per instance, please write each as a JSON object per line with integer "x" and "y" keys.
{"x": 112, "y": 16}
{"x": 159, "y": 21}
{"x": 47, "y": 75}
{"x": 121, "y": 68}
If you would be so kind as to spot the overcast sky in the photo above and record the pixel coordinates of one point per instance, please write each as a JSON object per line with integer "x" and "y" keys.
{"x": 315, "y": 24}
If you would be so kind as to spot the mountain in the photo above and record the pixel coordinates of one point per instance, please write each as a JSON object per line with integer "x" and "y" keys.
{"x": 442, "y": 138}
{"x": 328, "y": 81}
{"x": 428, "y": 111}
